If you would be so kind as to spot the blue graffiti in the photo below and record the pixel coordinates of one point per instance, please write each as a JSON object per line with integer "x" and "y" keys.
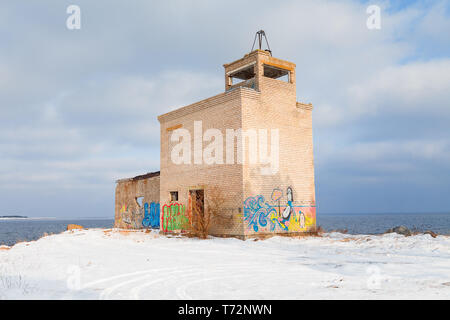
{"x": 256, "y": 212}
{"x": 151, "y": 217}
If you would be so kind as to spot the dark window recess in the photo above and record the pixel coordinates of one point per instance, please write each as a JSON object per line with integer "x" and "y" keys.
{"x": 242, "y": 75}
{"x": 139, "y": 201}
{"x": 173, "y": 195}
{"x": 276, "y": 73}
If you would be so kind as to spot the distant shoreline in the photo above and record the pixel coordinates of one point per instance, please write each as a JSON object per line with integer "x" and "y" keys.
{"x": 55, "y": 218}
{"x": 13, "y": 217}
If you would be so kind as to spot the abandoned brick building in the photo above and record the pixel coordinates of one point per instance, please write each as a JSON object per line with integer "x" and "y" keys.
{"x": 260, "y": 96}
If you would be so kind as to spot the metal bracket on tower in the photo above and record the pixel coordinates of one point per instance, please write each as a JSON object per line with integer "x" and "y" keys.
{"x": 260, "y": 34}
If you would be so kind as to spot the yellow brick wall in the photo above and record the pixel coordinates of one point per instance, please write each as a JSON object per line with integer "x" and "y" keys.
{"x": 220, "y": 112}
{"x": 277, "y": 109}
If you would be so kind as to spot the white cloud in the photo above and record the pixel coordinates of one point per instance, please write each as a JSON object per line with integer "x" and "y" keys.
{"x": 423, "y": 86}
{"x": 97, "y": 133}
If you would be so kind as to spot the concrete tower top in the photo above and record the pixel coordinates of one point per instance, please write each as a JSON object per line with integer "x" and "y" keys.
{"x": 249, "y": 70}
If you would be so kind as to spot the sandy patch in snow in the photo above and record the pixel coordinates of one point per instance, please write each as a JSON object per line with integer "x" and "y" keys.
{"x": 118, "y": 264}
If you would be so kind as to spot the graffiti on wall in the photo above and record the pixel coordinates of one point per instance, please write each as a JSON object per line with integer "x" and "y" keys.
{"x": 128, "y": 218}
{"x": 262, "y": 216}
{"x": 174, "y": 217}
{"x": 138, "y": 217}
{"x": 256, "y": 212}
{"x": 151, "y": 215}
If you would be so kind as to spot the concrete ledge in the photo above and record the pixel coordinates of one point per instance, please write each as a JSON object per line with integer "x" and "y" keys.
{"x": 263, "y": 236}
{"x": 258, "y": 236}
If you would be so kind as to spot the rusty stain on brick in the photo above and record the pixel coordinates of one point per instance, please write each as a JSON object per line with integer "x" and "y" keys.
{"x": 178, "y": 126}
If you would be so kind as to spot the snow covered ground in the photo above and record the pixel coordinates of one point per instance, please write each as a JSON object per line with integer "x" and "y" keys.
{"x": 112, "y": 264}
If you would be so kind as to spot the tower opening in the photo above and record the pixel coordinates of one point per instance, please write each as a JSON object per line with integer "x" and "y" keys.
{"x": 276, "y": 73}
{"x": 242, "y": 74}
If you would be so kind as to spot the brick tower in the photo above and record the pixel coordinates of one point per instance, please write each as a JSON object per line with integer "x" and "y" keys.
{"x": 275, "y": 194}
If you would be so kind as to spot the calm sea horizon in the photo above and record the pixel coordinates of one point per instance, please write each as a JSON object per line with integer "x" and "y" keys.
{"x": 13, "y": 230}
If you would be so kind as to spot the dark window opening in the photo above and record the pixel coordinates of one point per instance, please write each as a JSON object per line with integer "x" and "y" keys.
{"x": 139, "y": 201}
{"x": 173, "y": 195}
{"x": 243, "y": 74}
{"x": 276, "y": 73}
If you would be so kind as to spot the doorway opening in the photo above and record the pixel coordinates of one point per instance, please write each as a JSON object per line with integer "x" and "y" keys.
{"x": 198, "y": 201}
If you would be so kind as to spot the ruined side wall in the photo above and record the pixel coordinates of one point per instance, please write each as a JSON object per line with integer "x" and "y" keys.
{"x": 128, "y": 213}
{"x": 266, "y": 196}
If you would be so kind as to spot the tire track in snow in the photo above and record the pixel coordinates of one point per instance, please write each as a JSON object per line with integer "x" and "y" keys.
{"x": 93, "y": 283}
{"x": 135, "y": 292}
{"x": 106, "y": 293}
{"x": 167, "y": 274}
{"x": 181, "y": 290}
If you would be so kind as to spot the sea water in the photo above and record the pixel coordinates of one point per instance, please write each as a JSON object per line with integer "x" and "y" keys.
{"x": 16, "y": 230}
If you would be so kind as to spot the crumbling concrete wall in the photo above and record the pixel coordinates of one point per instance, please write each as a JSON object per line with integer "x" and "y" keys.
{"x": 137, "y": 202}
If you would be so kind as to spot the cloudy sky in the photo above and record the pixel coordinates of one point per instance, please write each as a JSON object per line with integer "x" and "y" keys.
{"x": 78, "y": 107}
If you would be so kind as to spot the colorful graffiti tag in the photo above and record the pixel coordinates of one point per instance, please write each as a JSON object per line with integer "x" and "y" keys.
{"x": 128, "y": 218}
{"x": 301, "y": 217}
{"x": 174, "y": 217}
{"x": 256, "y": 212}
{"x": 124, "y": 219}
{"x": 263, "y": 216}
{"x": 151, "y": 215}
{"x": 138, "y": 217}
